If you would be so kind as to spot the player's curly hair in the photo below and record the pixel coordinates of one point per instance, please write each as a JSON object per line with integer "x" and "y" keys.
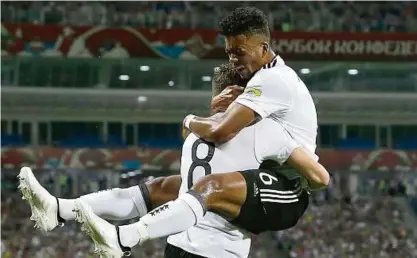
{"x": 246, "y": 21}
{"x": 225, "y": 75}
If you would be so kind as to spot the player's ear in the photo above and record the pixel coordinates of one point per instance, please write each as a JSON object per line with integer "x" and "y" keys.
{"x": 265, "y": 48}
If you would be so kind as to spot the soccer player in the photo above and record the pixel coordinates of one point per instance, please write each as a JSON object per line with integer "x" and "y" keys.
{"x": 130, "y": 202}
{"x": 282, "y": 110}
{"x": 121, "y": 204}
{"x": 274, "y": 200}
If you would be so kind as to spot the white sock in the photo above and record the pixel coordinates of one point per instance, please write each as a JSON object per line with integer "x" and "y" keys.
{"x": 112, "y": 204}
{"x": 65, "y": 209}
{"x": 168, "y": 219}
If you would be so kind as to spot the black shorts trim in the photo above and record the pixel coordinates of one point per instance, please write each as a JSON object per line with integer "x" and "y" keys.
{"x": 172, "y": 251}
{"x": 273, "y": 202}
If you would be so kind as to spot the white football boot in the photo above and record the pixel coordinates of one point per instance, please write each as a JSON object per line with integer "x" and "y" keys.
{"x": 44, "y": 206}
{"x": 104, "y": 235}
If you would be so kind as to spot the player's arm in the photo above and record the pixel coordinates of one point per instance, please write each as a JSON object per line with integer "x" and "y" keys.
{"x": 220, "y": 128}
{"x": 261, "y": 97}
{"x": 314, "y": 172}
{"x": 221, "y": 100}
{"x": 284, "y": 149}
{"x": 185, "y": 132}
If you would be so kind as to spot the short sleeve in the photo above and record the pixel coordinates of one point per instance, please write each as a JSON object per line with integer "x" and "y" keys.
{"x": 269, "y": 91}
{"x": 279, "y": 147}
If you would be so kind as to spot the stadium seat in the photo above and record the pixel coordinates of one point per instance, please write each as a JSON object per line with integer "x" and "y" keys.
{"x": 82, "y": 141}
{"x": 161, "y": 143}
{"x": 115, "y": 142}
{"x": 356, "y": 144}
{"x": 12, "y": 140}
{"x": 407, "y": 144}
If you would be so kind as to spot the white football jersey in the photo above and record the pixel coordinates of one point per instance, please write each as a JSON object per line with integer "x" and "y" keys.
{"x": 276, "y": 92}
{"x": 289, "y": 121}
{"x": 214, "y": 236}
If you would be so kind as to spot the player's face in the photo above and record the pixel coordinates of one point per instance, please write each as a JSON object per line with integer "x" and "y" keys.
{"x": 246, "y": 53}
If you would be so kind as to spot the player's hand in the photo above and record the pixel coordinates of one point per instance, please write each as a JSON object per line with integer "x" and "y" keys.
{"x": 220, "y": 102}
{"x": 185, "y": 132}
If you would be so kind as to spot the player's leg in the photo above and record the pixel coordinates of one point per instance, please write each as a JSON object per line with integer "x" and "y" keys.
{"x": 273, "y": 201}
{"x": 223, "y": 194}
{"x": 243, "y": 197}
{"x": 240, "y": 197}
{"x": 162, "y": 190}
{"x": 127, "y": 203}
{"x": 220, "y": 193}
{"x": 230, "y": 195}
{"x": 115, "y": 204}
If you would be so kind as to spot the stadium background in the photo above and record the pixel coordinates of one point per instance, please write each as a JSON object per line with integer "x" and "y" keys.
{"x": 93, "y": 96}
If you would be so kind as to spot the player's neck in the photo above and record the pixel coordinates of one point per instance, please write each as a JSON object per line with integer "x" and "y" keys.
{"x": 266, "y": 60}
{"x": 269, "y": 57}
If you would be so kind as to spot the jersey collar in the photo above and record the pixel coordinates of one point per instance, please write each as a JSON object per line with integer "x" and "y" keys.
{"x": 253, "y": 74}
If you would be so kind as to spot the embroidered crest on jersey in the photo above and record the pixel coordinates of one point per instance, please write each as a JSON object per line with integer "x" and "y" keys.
{"x": 253, "y": 90}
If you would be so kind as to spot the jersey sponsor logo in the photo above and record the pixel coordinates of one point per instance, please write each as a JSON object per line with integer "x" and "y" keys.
{"x": 253, "y": 90}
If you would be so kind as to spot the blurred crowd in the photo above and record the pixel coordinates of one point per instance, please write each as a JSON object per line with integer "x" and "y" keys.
{"x": 360, "y": 228}
{"x": 286, "y": 16}
{"x": 337, "y": 224}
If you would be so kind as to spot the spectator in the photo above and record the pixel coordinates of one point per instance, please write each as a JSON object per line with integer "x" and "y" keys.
{"x": 285, "y": 16}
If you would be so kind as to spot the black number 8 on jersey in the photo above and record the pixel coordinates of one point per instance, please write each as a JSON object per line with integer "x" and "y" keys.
{"x": 197, "y": 162}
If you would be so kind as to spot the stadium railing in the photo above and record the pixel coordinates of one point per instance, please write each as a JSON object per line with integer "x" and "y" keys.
{"x": 196, "y": 75}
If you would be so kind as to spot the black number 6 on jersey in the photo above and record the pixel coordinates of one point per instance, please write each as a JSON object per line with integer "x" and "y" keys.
{"x": 197, "y": 162}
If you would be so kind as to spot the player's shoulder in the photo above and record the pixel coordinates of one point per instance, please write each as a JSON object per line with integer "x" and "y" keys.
{"x": 272, "y": 74}
{"x": 275, "y": 70}
{"x": 276, "y": 62}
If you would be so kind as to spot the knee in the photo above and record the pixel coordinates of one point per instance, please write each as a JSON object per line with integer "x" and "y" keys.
{"x": 214, "y": 190}
{"x": 218, "y": 191}
{"x": 209, "y": 186}
{"x": 164, "y": 185}
{"x": 163, "y": 189}
{"x": 155, "y": 185}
